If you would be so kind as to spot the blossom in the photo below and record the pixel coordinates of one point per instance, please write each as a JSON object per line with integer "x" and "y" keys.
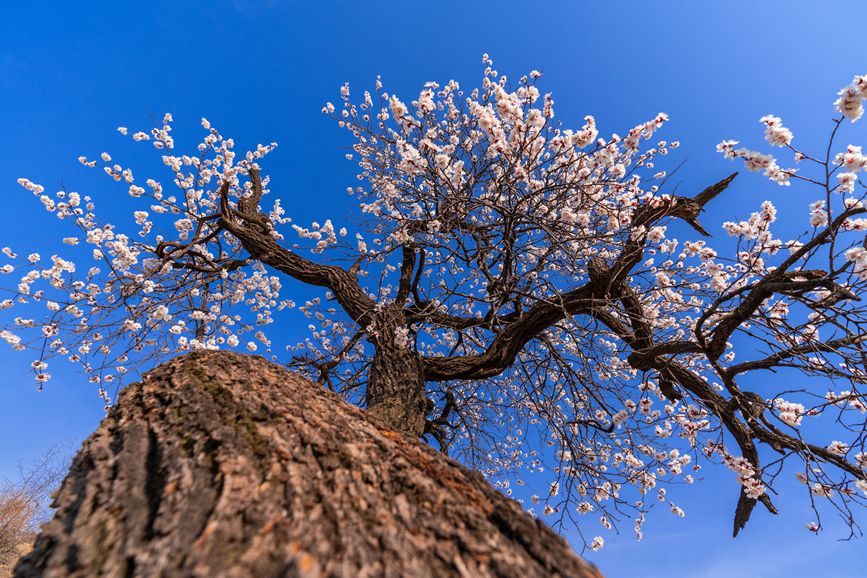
{"x": 31, "y": 186}
{"x": 821, "y": 490}
{"x": 818, "y": 214}
{"x": 849, "y": 103}
{"x": 858, "y": 256}
{"x": 554, "y": 489}
{"x": 401, "y": 337}
{"x": 775, "y": 133}
{"x": 837, "y": 448}
{"x": 846, "y": 182}
{"x": 852, "y": 159}
{"x": 755, "y": 161}
{"x": 727, "y": 148}
{"x": 791, "y": 413}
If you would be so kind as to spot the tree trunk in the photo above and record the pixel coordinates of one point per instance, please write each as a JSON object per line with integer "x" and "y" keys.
{"x": 220, "y": 464}
{"x": 395, "y": 385}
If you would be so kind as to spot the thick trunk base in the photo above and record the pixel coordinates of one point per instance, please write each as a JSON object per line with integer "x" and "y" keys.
{"x": 220, "y": 464}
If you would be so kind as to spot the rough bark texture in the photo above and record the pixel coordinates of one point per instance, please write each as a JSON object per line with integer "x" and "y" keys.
{"x": 221, "y": 464}
{"x": 395, "y": 390}
{"x": 395, "y": 386}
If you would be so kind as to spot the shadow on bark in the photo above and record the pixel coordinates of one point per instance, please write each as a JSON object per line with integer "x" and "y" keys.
{"x": 220, "y": 464}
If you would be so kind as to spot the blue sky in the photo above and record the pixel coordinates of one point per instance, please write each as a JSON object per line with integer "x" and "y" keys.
{"x": 260, "y": 70}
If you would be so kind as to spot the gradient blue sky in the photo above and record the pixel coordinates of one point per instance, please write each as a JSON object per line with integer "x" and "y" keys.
{"x": 260, "y": 70}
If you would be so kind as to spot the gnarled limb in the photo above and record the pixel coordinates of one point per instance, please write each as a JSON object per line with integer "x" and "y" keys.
{"x": 250, "y": 227}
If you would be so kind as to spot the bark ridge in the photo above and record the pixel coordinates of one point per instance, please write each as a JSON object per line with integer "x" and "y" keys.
{"x": 221, "y": 464}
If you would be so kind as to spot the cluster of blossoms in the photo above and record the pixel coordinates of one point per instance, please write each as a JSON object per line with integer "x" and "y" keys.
{"x": 847, "y": 398}
{"x": 154, "y": 309}
{"x": 850, "y": 104}
{"x": 745, "y": 470}
{"x": 755, "y": 161}
{"x": 789, "y": 412}
{"x": 488, "y": 216}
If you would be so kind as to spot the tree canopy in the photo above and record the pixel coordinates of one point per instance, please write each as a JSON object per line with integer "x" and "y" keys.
{"x": 511, "y": 293}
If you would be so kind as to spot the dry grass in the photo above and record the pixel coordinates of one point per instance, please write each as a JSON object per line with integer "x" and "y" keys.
{"x": 24, "y": 505}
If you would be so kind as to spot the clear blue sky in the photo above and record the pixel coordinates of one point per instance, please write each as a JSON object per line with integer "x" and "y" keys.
{"x": 260, "y": 70}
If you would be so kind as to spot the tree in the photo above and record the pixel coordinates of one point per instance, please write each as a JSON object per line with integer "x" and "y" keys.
{"x": 220, "y": 464}
{"x": 23, "y": 505}
{"x": 514, "y": 296}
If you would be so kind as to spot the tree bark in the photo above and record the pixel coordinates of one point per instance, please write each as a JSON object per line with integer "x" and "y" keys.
{"x": 395, "y": 385}
{"x": 220, "y": 464}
